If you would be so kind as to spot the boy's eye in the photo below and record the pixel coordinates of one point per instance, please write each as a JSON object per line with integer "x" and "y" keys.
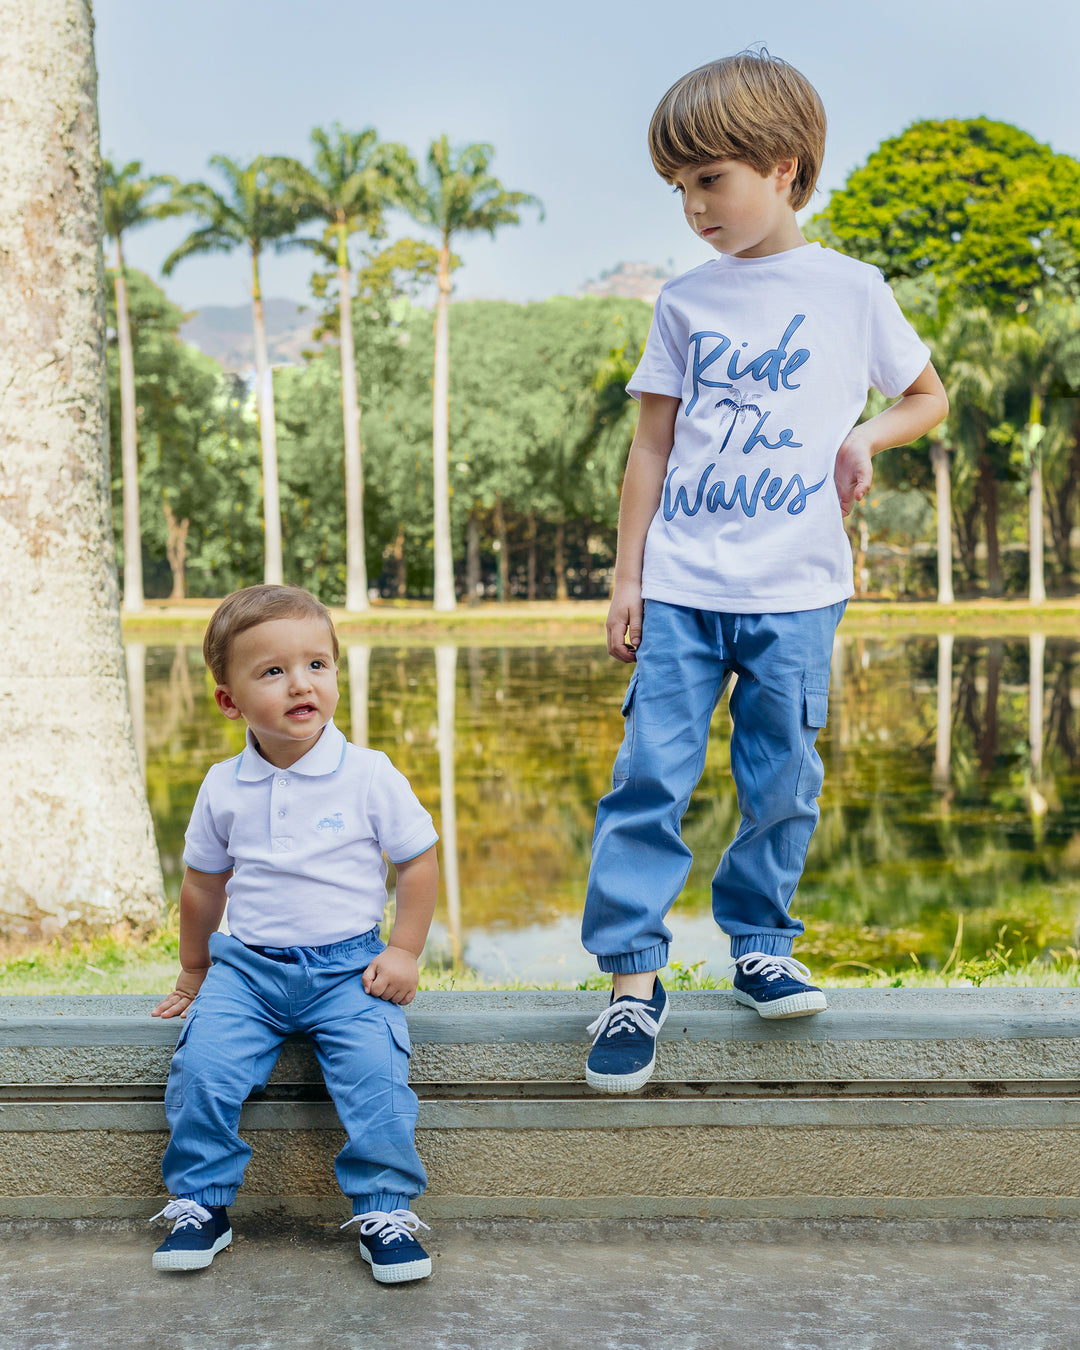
{"x": 318, "y": 665}
{"x": 272, "y": 670}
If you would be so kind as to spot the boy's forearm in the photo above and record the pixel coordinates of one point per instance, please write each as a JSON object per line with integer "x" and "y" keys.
{"x": 922, "y": 406}
{"x": 415, "y": 895}
{"x": 643, "y": 484}
{"x": 200, "y": 915}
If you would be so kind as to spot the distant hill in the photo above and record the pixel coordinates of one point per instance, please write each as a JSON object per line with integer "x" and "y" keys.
{"x": 634, "y": 280}
{"x": 225, "y": 333}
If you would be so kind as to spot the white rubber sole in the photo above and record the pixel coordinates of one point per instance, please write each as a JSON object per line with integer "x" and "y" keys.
{"x": 626, "y": 1082}
{"x": 795, "y": 1005}
{"x": 191, "y": 1260}
{"x": 398, "y": 1274}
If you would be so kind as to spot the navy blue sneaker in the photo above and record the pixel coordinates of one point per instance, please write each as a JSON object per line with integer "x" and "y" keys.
{"x": 623, "y": 1055}
{"x": 388, "y": 1244}
{"x": 775, "y": 986}
{"x": 198, "y": 1234}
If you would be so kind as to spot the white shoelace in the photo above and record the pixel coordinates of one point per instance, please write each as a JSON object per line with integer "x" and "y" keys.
{"x": 623, "y": 1015}
{"x": 773, "y": 967}
{"x": 392, "y": 1227}
{"x": 187, "y": 1213}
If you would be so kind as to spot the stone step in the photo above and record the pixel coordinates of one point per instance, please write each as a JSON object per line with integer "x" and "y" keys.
{"x": 951, "y": 1103}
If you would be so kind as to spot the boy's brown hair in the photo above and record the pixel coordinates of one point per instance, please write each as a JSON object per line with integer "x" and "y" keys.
{"x": 254, "y": 605}
{"x": 752, "y": 107}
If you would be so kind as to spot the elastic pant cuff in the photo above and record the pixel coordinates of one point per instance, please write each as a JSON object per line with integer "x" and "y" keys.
{"x": 770, "y": 944}
{"x": 382, "y": 1201}
{"x": 635, "y": 963}
{"x": 211, "y": 1195}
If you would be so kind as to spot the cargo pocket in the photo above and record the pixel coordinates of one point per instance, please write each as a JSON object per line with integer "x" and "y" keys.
{"x": 815, "y": 713}
{"x": 174, "y": 1088}
{"x": 621, "y": 771}
{"x": 404, "y": 1098}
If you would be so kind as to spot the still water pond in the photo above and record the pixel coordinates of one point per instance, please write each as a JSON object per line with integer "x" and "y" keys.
{"x": 952, "y": 790}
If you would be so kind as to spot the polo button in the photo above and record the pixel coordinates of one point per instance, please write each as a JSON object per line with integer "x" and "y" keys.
{"x": 283, "y": 782}
{"x": 281, "y": 815}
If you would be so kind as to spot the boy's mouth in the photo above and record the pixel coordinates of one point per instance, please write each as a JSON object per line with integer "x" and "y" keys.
{"x": 302, "y": 710}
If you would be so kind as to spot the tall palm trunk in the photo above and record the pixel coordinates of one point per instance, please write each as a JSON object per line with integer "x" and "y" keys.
{"x": 440, "y": 437}
{"x": 129, "y": 444}
{"x": 273, "y": 573}
{"x": 78, "y": 842}
{"x": 939, "y": 457}
{"x": 1036, "y": 566}
{"x": 356, "y": 586}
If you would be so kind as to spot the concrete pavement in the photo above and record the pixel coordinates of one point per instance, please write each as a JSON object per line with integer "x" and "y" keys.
{"x": 516, "y": 1285}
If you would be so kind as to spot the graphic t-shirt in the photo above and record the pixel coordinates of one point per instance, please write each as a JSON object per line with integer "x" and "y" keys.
{"x": 772, "y": 359}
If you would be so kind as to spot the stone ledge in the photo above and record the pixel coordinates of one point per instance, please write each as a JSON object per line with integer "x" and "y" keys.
{"x": 977, "y": 1037}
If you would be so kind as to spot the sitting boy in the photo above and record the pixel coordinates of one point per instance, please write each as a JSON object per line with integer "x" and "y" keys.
{"x": 291, "y": 833}
{"x": 732, "y": 556}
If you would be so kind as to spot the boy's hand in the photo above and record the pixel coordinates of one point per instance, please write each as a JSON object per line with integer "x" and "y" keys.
{"x": 853, "y": 472}
{"x": 393, "y": 975}
{"x": 624, "y": 622}
{"x": 188, "y": 984}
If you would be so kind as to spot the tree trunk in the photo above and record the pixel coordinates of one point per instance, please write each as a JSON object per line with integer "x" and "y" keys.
{"x": 530, "y": 567}
{"x": 129, "y": 446}
{"x": 472, "y": 559}
{"x": 446, "y": 696}
{"x": 967, "y": 536}
{"x": 1060, "y": 511}
{"x": 273, "y": 572}
{"x": 78, "y": 843}
{"x": 989, "y": 498}
{"x": 440, "y": 438}
{"x": 561, "y": 592}
{"x": 176, "y": 532}
{"x": 1036, "y": 571}
{"x": 502, "y": 554}
{"x": 939, "y": 457}
{"x": 402, "y": 578}
{"x": 356, "y": 585}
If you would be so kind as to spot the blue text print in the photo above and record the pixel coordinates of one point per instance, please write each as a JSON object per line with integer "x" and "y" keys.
{"x": 333, "y": 822}
{"x": 775, "y": 365}
{"x": 770, "y": 492}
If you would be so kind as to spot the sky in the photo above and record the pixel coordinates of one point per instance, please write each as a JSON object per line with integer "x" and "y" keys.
{"x": 563, "y": 91}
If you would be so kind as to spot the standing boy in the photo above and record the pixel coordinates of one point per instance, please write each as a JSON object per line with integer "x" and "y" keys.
{"x": 732, "y": 555}
{"x": 292, "y": 834}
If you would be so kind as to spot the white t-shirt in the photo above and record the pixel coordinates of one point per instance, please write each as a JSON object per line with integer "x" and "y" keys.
{"x": 305, "y": 844}
{"x": 772, "y": 359}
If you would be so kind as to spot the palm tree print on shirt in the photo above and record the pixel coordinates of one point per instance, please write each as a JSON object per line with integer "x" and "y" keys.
{"x": 740, "y": 404}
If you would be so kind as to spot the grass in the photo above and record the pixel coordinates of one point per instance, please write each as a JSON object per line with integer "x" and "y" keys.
{"x": 121, "y": 961}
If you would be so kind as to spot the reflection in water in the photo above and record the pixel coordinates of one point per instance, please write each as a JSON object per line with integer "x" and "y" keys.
{"x": 943, "y": 735}
{"x": 446, "y": 682}
{"x": 935, "y": 749}
{"x": 359, "y": 656}
{"x": 135, "y": 658}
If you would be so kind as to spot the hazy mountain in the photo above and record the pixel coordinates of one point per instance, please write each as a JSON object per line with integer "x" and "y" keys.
{"x": 225, "y": 333}
{"x": 635, "y": 280}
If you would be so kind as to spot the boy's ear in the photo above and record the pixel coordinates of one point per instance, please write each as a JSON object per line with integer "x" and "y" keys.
{"x": 784, "y": 173}
{"x": 224, "y": 700}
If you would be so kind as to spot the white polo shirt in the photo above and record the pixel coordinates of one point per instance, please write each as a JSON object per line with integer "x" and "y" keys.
{"x": 305, "y": 844}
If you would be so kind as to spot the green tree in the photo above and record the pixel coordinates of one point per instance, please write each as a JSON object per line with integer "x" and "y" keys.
{"x": 199, "y": 477}
{"x": 352, "y": 179}
{"x": 983, "y": 206}
{"x": 254, "y": 212}
{"x": 130, "y": 200}
{"x": 456, "y": 195}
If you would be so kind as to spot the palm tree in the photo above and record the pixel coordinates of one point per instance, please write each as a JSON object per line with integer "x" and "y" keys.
{"x": 353, "y": 179}
{"x": 457, "y": 195}
{"x": 79, "y": 844}
{"x": 128, "y": 201}
{"x": 254, "y": 213}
